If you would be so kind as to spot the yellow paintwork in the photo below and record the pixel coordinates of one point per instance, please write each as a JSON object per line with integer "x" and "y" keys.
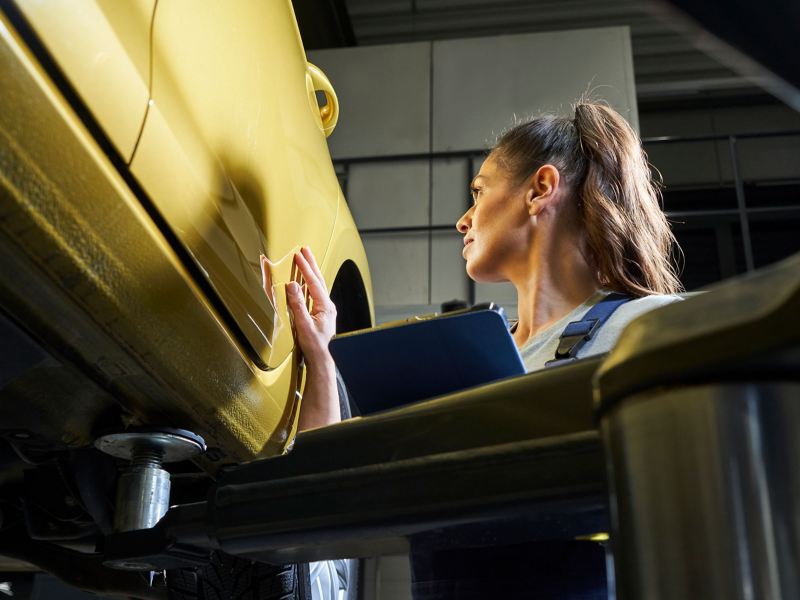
{"x": 233, "y": 154}
{"x": 103, "y": 46}
{"x": 234, "y": 157}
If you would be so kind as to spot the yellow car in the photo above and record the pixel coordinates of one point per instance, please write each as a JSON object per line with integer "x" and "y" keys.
{"x": 161, "y": 162}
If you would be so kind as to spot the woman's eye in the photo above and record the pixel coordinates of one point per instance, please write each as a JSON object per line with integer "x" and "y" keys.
{"x": 475, "y": 192}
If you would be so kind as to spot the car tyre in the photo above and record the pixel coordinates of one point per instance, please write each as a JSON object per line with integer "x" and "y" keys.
{"x": 229, "y": 577}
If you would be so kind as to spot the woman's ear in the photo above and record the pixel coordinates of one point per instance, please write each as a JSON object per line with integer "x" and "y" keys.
{"x": 541, "y": 189}
{"x": 532, "y": 202}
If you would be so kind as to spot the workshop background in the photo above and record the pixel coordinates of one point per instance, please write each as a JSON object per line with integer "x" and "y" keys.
{"x": 425, "y": 87}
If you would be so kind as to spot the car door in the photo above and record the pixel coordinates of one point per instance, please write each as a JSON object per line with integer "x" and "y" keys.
{"x": 234, "y": 158}
{"x": 102, "y": 47}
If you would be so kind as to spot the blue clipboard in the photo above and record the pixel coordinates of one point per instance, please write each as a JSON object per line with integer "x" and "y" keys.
{"x": 399, "y": 363}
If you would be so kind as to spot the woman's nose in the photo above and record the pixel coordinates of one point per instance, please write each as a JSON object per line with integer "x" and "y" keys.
{"x": 464, "y": 223}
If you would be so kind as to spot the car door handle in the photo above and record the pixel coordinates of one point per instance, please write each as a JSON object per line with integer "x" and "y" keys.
{"x": 329, "y": 112}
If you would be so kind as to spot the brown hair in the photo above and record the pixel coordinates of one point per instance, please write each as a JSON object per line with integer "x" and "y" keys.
{"x": 601, "y": 158}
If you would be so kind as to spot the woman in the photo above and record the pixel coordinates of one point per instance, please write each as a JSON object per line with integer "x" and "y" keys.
{"x": 566, "y": 210}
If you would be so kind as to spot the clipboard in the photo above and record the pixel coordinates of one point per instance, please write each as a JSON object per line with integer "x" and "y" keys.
{"x": 399, "y": 363}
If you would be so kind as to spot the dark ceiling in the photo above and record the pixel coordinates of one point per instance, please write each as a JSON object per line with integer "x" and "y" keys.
{"x": 764, "y": 37}
{"x": 675, "y": 58}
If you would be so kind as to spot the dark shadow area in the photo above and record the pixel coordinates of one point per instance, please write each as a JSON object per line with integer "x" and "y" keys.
{"x": 324, "y": 23}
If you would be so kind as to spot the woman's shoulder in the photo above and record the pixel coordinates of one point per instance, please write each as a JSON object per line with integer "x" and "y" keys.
{"x": 608, "y": 333}
{"x": 654, "y": 301}
{"x": 638, "y": 306}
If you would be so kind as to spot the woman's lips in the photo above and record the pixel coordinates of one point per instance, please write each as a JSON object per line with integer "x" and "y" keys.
{"x": 466, "y": 245}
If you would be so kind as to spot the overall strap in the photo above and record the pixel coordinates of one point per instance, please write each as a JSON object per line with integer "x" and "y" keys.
{"x": 577, "y": 333}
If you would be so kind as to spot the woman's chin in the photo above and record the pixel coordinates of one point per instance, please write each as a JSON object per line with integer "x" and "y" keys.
{"x": 477, "y": 274}
{"x": 471, "y": 271}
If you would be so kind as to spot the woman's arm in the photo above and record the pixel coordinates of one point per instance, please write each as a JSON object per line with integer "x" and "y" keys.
{"x": 314, "y": 330}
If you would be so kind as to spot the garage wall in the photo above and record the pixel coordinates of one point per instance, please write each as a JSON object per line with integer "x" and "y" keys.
{"x": 701, "y": 163}
{"x": 442, "y": 96}
{"x": 700, "y": 195}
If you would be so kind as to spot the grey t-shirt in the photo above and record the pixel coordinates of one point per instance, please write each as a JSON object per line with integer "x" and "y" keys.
{"x": 542, "y": 346}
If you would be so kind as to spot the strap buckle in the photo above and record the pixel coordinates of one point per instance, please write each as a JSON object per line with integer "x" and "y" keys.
{"x": 574, "y": 333}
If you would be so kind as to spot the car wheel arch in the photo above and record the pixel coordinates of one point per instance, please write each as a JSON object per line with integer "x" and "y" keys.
{"x": 349, "y": 294}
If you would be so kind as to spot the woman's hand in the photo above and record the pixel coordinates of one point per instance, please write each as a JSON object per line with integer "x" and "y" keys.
{"x": 314, "y": 330}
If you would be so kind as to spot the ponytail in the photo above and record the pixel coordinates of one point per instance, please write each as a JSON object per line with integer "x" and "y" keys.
{"x": 601, "y": 158}
{"x": 626, "y": 229}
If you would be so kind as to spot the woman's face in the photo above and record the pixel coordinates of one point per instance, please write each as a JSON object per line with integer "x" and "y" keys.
{"x": 497, "y": 228}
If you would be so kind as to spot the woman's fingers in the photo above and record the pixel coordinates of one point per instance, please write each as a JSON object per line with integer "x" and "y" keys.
{"x": 296, "y": 302}
{"x": 309, "y": 274}
{"x": 315, "y": 286}
{"x": 314, "y": 331}
{"x": 309, "y": 256}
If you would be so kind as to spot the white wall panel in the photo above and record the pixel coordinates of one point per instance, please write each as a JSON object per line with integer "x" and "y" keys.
{"x": 399, "y": 267}
{"x": 480, "y": 83}
{"x": 389, "y": 194}
{"x": 384, "y": 98}
{"x": 450, "y": 189}
{"x": 449, "y": 280}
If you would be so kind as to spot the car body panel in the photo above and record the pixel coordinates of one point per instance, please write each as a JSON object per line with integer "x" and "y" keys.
{"x": 91, "y": 274}
{"x": 103, "y": 48}
{"x": 111, "y": 294}
{"x": 233, "y": 154}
